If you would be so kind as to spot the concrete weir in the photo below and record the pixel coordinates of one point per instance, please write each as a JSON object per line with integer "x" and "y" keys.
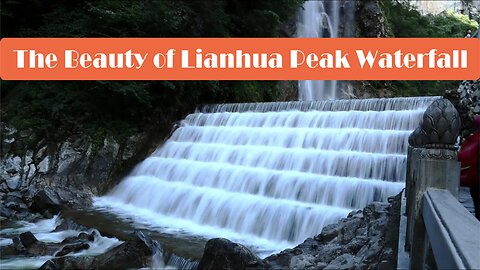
{"x": 270, "y": 175}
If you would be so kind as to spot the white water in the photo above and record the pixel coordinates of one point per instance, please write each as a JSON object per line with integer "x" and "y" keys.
{"x": 267, "y": 178}
{"x": 321, "y": 19}
{"x": 44, "y": 231}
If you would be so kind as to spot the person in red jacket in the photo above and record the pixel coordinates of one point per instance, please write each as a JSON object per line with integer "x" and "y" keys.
{"x": 469, "y": 157}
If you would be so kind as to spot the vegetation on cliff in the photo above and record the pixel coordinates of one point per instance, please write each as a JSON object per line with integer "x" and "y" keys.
{"x": 404, "y": 21}
{"x": 56, "y": 108}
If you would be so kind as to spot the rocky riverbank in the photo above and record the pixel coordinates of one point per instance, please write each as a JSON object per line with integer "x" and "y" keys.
{"x": 59, "y": 243}
{"x": 39, "y": 179}
{"x": 34, "y": 171}
{"x": 366, "y": 239}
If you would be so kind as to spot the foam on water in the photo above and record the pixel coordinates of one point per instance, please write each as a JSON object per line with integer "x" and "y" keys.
{"x": 44, "y": 231}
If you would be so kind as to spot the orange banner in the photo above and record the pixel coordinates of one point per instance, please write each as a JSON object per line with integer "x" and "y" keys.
{"x": 239, "y": 59}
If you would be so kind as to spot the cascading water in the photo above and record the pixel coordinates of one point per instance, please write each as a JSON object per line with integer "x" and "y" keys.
{"x": 320, "y": 19}
{"x": 270, "y": 175}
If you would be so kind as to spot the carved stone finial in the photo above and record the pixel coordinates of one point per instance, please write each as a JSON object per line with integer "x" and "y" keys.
{"x": 417, "y": 138}
{"x": 441, "y": 124}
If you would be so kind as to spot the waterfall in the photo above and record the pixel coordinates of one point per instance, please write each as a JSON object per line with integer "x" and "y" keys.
{"x": 320, "y": 19}
{"x": 270, "y": 175}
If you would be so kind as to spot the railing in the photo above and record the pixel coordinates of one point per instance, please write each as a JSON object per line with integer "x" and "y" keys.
{"x": 452, "y": 231}
{"x": 440, "y": 232}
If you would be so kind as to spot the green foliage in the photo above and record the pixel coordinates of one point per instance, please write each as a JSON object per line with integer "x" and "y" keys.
{"x": 98, "y": 108}
{"x": 405, "y": 21}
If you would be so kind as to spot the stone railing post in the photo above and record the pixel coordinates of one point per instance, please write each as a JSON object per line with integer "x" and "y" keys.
{"x": 416, "y": 142}
{"x": 432, "y": 163}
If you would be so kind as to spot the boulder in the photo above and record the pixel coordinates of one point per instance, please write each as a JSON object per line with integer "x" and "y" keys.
{"x": 75, "y": 247}
{"x": 136, "y": 252}
{"x": 222, "y": 254}
{"x": 68, "y": 224}
{"x": 44, "y": 165}
{"x": 6, "y": 212}
{"x": 344, "y": 261}
{"x": 28, "y": 239}
{"x": 103, "y": 161}
{"x": 46, "y": 199}
{"x": 87, "y": 237}
{"x": 69, "y": 262}
{"x": 301, "y": 262}
{"x": 69, "y": 159}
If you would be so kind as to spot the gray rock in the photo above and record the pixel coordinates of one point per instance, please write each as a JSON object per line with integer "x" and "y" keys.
{"x": 28, "y": 174}
{"x": 6, "y": 212}
{"x": 27, "y": 239}
{"x": 75, "y": 247}
{"x": 222, "y": 254}
{"x": 10, "y": 171}
{"x": 44, "y": 165}
{"x": 344, "y": 261}
{"x": 46, "y": 200}
{"x": 28, "y": 157}
{"x": 70, "y": 262}
{"x": 41, "y": 153}
{"x": 4, "y": 187}
{"x": 103, "y": 162}
{"x": 86, "y": 236}
{"x": 8, "y": 134}
{"x": 302, "y": 262}
{"x": 14, "y": 182}
{"x": 328, "y": 233}
{"x": 136, "y": 252}
{"x": 68, "y": 224}
{"x": 67, "y": 158}
{"x": 16, "y": 206}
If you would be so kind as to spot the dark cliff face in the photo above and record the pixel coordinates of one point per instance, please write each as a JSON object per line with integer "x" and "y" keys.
{"x": 371, "y": 19}
{"x": 77, "y": 168}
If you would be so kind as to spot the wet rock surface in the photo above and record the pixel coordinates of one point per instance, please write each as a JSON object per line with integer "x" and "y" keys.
{"x": 136, "y": 252}
{"x": 44, "y": 177}
{"x": 366, "y": 239}
{"x": 40, "y": 179}
{"x": 222, "y": 254}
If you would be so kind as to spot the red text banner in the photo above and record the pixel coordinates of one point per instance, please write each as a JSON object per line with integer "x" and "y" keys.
{"x": 239, "y": 59}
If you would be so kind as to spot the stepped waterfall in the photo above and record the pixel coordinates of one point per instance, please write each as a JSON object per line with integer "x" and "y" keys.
{"x": 269, "y": 175}
{"x": 324, "y": 19}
